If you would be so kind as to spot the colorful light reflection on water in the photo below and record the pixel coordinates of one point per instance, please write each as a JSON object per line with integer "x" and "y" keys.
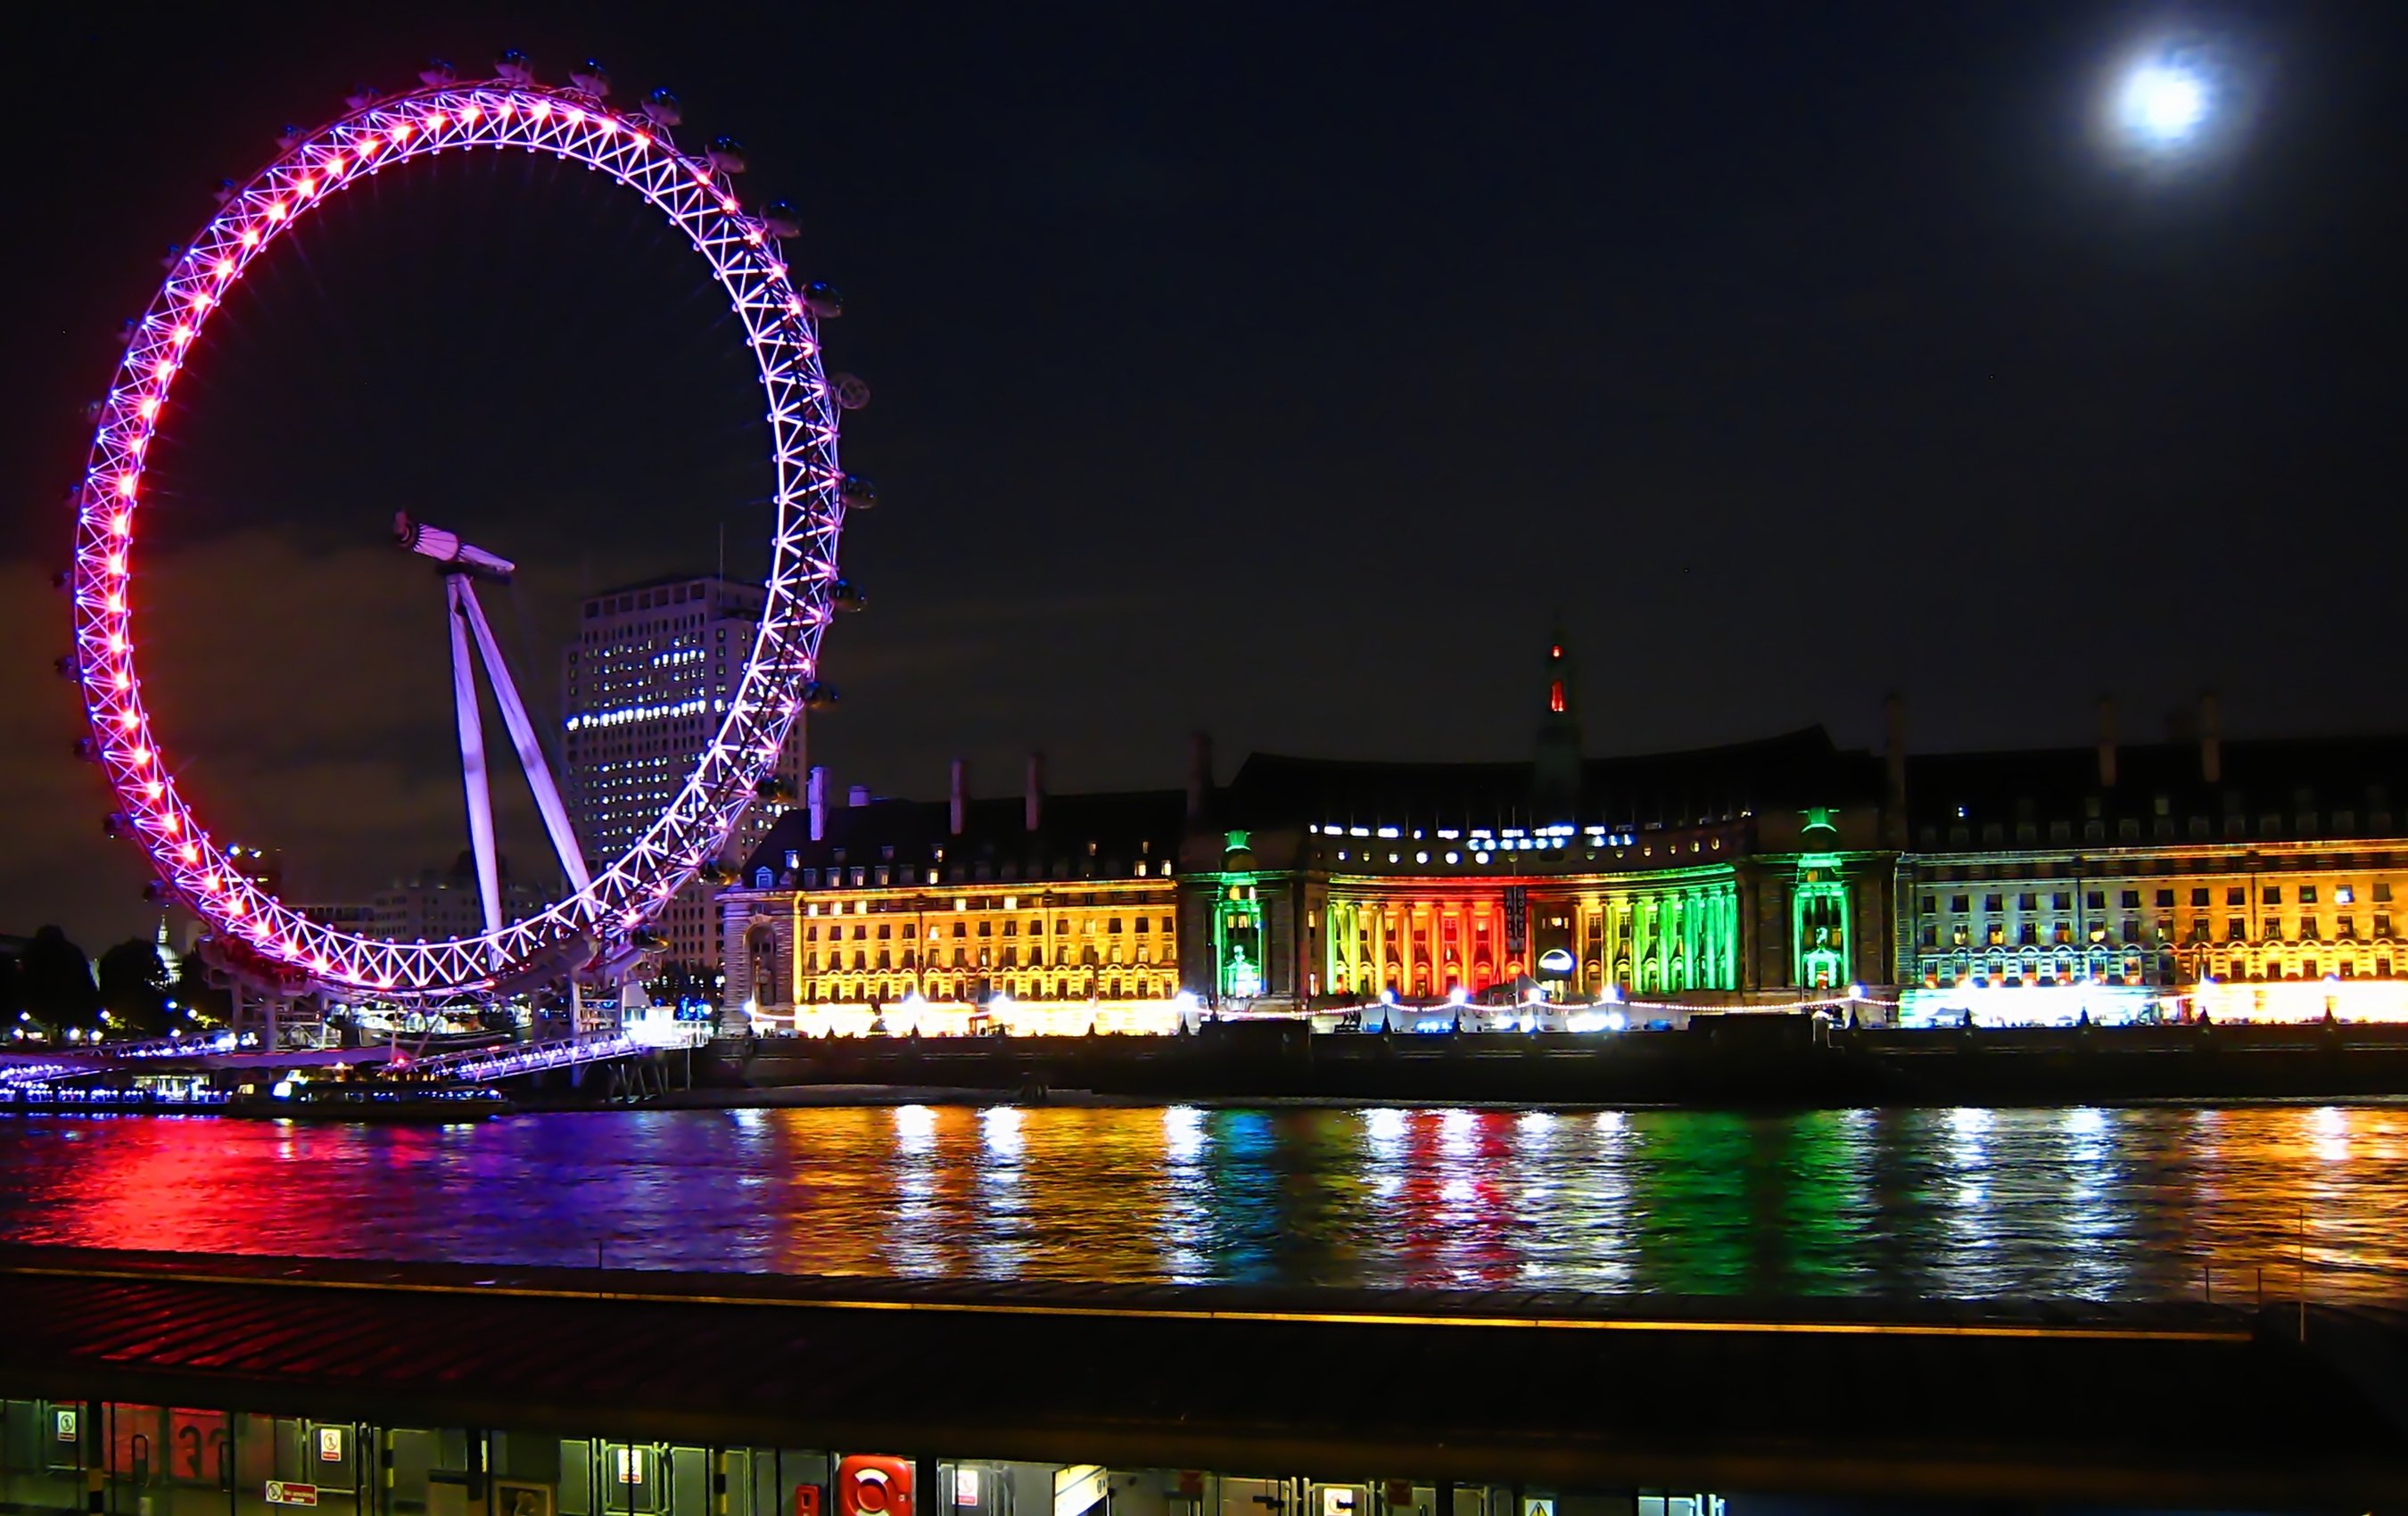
{"x": 2126, "y": 1202}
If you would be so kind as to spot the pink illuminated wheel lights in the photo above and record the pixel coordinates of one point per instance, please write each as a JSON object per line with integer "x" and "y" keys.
{"x": 288, "y": 950}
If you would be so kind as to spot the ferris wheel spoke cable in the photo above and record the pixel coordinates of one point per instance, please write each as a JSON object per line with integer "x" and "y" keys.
{"x": 601, "y": 923}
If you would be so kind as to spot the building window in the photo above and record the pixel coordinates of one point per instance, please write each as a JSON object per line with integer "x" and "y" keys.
{"x": 2236, "y": 896}
{"x": 2307, "y": 894}
{"x": 2273, "y": 894}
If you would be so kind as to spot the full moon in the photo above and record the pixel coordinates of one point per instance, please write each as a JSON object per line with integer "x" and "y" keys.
{"x": 2163, "y": 105}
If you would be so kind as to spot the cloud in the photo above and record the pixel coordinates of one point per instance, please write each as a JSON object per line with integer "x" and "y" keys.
{"x": 57, "y": 866}
{"x": 301, "y": 697}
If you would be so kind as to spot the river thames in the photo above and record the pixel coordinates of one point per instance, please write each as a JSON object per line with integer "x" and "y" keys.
{"x": 2127, "y": 1203}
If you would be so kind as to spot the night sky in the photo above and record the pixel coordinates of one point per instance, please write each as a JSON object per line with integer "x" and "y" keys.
{"x": 1280, "y": 371}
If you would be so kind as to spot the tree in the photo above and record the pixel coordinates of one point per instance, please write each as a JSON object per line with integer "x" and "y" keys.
{"x": 134, "y": 989}
{"x": 54, "y": 980}
{"x": 192, "y": 991}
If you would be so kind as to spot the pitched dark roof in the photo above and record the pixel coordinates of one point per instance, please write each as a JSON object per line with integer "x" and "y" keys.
{"x": 1120, "y": 825}
{"x": 2362, "y": 774}
{"x": 1800, "y": 767}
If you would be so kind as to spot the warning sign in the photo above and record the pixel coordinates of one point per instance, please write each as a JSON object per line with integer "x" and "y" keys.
{"x": 284, "y": 1493}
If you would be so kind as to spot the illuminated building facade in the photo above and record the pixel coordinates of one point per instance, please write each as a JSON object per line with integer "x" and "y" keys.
{"x": 1735, "y": 875}
{"x": 1427, "y": 880}
{"x": 1029, "y": 912}
{"x": 646, "y": 684}
{"x": 2250, "y": 880}
{"x": 2255, "y": 880}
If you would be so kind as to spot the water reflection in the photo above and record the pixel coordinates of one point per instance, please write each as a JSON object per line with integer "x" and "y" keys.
{"x": 2130, "y": 1203}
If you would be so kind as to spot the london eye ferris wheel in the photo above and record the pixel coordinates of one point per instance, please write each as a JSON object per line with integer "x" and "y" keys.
{"x": 599, "y": 924}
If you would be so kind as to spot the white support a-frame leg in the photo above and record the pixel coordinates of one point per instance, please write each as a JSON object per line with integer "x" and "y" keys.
{"x": 458, "y": 599}
{"x": 531, "y": 759}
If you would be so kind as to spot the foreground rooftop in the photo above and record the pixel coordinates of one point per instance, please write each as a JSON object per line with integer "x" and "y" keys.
{"x": 2176, "y": 1402}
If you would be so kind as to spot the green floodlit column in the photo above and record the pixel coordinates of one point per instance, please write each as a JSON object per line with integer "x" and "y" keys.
{"x": 1725, "y": 937}
{"x": 1685, "y": 952}
{"x": 1219, "y": 938}
{"x": 1657, "y": 956}
{"x": 1708, "y": 965}
{"x": 1694, "y": 927}
{"x": 1801, "y": 939}
{"x": 1851, "y": 961}
{"x": 1642, "y": 940}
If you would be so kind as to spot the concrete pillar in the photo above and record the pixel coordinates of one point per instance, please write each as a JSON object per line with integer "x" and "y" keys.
{"x": 1035, "y": 792}
{"x": 960, "y": 815}
{"x": 816, "y": 792}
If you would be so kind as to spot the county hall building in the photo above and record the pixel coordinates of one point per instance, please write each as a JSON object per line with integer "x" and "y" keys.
{"x": 2246, "y": 880}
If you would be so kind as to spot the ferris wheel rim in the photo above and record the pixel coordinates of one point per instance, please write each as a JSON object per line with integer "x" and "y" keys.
{"x": 781, "y": 332}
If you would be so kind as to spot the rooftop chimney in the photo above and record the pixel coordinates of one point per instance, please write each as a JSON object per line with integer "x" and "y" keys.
{"x": 1894, "y": 766}
{"x": 857, "y": 795}
{"x": 2106, "y": 742}
{"x": 2210, "y": 741}
{"x": 1199, "y": 771}
{"x": 817, "y": 791}
{"x": 1036, "y": 788}
{"x": 960, "y": 815}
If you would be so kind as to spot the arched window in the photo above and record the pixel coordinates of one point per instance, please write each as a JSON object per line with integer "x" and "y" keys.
{"x": 762, "y": 879}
